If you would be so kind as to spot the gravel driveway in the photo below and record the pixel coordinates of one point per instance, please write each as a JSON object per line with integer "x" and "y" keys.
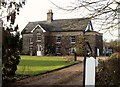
{"x": 70, "y": 76}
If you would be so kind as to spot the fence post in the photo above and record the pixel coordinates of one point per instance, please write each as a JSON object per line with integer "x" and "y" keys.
{"x": 90, "y": 72}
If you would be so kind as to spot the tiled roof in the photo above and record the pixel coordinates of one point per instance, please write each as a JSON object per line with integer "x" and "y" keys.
{"x": 78, "y": 24}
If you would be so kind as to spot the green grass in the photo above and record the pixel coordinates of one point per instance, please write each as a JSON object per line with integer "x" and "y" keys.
{"x": 32, "y": 65}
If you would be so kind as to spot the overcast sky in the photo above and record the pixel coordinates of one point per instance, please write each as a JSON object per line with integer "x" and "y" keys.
{"x": 36, "y": 10}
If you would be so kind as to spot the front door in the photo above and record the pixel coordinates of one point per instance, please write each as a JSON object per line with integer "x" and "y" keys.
{"x": 39, "y": 50}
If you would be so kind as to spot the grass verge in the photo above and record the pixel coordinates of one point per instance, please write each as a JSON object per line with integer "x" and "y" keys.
{"x": 33, "y": 65}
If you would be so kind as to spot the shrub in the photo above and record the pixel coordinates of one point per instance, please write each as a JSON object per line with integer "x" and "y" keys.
{"x": 108, "y": 72}
{"x": 69, "y": 58}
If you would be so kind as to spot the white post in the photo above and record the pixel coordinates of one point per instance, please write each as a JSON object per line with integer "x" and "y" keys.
{"x": 90, "y": 72}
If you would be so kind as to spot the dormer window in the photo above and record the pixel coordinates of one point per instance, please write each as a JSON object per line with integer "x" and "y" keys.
{"x": 72, "y": 39}
{"x": 58, "y": 39}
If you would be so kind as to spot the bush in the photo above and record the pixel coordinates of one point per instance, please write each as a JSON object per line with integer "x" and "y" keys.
{"x": 108, "y": 72}
{"x": 69, "y": 58}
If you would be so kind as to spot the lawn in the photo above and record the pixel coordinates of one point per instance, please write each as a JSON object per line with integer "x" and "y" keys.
{"x": 32, "y": 65}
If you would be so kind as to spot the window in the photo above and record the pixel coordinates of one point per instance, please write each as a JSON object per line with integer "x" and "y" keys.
{"x": 30, "y": 44}
{"x": 58, "y": 50}
{"x": 72, "y": 39}
{"x": 30, "y": 41}
{"x": 30, "y": 47}
{"x": 58, "y": 39}
{"x": 38, "y": 37}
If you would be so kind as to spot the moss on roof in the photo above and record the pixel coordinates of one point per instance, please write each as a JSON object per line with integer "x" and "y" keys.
{"x": 78, "y": 24}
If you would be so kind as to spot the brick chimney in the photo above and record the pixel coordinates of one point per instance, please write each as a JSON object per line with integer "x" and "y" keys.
{"x": 50, "y": 16}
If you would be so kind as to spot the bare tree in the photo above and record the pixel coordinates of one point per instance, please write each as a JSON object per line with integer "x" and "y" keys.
{"x": 105, "y": 13}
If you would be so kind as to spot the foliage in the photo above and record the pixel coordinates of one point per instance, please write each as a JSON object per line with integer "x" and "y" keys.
{"x": 32, "y": 65}
{"x": 50, "y": 50}
{"x": 115, "y": 55}
{"x": 11, "y": 38}
{"x": 115, "y": 45}
{"x": 10, "y": 57}
{"x": 80, "y": 46}
{"x": 108, "y": 72}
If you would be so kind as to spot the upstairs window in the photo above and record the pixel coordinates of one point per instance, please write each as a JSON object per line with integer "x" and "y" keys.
{"x": 58, "y": 39}
{"x": 38, "y": 37}
{"x": 30, "y": 44}
{"x": 72, "y": 38}
{"x": 30, "y": 40}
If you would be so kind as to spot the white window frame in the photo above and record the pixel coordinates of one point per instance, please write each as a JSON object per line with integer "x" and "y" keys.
{"x": 30, "y": 40}
{"x": 39, "y": 37}
{"x": 71, "y": 39}
{"x": 58, "y": 50}
{"x": 30, "y": 47}
{"x": 58, "y": 39}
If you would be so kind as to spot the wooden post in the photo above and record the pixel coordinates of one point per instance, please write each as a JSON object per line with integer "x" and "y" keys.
{"x": 75, "y": 56}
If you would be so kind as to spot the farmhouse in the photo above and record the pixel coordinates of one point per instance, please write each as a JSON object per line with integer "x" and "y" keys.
{"x": 58, "y": 37}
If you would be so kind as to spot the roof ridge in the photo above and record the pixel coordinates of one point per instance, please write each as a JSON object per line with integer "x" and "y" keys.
{"x": 59, "y": 20}
{"x": 72, "y": 18}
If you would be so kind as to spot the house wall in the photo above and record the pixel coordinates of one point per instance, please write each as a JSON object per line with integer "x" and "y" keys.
{"x": 38, "y": 42}
{"x": 65, "y": 44}
{"x": 95, "y": 40}
{"x": 26, "y": 43}
{"x": 99, "y": 43}
{"x": 48, "y": 40}
{"x": 34, "y": 43}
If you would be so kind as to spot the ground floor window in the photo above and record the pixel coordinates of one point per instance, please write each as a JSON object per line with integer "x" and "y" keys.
{"x": 58, "y": 50}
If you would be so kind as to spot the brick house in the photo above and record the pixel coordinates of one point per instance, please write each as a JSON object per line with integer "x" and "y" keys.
{"x": 58, "y": 37}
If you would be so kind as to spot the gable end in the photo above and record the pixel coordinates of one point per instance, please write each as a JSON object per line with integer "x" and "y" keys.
{"x": 36, "y": 27}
